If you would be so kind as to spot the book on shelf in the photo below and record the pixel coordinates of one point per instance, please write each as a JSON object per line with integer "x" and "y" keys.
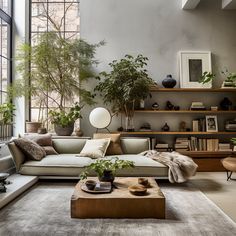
{"x": 162, "y": 145}
{"x": 195, "y": 125}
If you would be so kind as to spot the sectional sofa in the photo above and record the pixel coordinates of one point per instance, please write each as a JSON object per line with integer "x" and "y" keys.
{"x": 67, "y": 164}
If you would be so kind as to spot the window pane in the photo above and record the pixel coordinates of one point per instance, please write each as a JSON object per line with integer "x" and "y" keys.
{"x": 5, "y": 6}
{"x": 56, "y": 13}
{"x": 4, "y": 37}
{"x": 72, "y": 19}
{"x": 39, "y": 17}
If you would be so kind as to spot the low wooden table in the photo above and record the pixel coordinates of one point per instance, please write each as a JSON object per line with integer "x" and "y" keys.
{"x": 120, "y": 203}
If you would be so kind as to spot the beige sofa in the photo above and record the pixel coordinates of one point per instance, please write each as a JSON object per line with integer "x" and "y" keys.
{"x": 66, "y": 164}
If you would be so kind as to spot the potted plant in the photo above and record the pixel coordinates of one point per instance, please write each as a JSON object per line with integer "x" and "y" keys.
{"x": 64, "y": 120}
{"x": 58, "y": 72}
{"x": 230, "y": 81}
{"x": 6, "y": 119}
{"x": 125, "y": 85}
{"x": 106, "y": 169}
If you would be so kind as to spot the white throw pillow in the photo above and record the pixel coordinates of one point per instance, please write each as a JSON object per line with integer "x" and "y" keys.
{"x": 95, "y": 148}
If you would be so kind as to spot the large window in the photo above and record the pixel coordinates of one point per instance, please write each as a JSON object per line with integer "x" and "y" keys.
{"x": 5, "y": 59}
{"x": 61, "y": 16}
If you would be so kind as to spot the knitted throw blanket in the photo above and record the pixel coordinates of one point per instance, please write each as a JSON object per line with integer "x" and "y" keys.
{"x": 181, "y": 167}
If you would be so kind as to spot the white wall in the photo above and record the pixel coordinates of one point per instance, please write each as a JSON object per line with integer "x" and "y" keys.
{"x": 158, "y": 29}
{"x": 20, "y": 35}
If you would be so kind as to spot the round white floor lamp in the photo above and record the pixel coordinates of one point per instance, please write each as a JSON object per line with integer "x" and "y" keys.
{"x": 100, "y": 118}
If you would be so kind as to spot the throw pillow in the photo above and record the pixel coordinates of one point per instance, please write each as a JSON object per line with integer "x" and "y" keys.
{"x": 45, "y": 141}
{"x": 95, "y": 148}
{"x": 114, "y": 147}
{"x": 30, "y": 148}
{"x": 40, "y": 139}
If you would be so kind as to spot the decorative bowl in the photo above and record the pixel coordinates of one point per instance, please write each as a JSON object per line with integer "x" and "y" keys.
{"x": 90, "y": 184}
{"x": 143, "y": 181}
{"x": 137, "y": 189}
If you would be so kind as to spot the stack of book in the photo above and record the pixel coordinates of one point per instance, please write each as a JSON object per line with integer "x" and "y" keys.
{"x": 162, "y": 147}
{"x": 212, "y": 145}
{"x": 181, "y": 144}
{"x": 199, "y": 125}
{"x": 225, "y": 147}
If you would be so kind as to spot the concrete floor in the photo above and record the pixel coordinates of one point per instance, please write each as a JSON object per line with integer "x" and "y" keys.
{"x": 220, "y": 191}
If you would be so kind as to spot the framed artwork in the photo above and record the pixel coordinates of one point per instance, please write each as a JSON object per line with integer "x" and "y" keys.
{"x": 211, "y": 124}
{"x": 192, "y": 66}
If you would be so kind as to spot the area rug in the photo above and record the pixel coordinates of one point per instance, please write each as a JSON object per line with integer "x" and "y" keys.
{"x": 45, "y": 210}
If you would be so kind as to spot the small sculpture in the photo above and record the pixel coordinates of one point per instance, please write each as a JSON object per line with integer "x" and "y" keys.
{"x": 165, "y": 128}
{"x": 226, "y": 104}
{"x": 145, "y": 127}
{"x": 169, "y": 106}
{"x": 78, "y": 132}
{"x": 182, "y": 126}
{"x": 155, "y": 106}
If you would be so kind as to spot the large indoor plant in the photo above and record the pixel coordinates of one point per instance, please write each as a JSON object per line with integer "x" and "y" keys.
{"x": 125, "y": 85}
{"x": 59, "y": 68}
{"x": 106, "y": 169}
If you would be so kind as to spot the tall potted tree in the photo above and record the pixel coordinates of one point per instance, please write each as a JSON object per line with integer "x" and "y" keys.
{"x": 127, "y": 83}
{"x": 59, "y": 68}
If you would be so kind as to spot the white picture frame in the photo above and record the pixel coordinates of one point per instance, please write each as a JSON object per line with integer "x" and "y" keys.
{"x": 211, "y": 124}
{"x": 192, "y": 65}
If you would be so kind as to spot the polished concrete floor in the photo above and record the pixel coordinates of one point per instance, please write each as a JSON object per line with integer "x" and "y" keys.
{"x": 220, "y": 191}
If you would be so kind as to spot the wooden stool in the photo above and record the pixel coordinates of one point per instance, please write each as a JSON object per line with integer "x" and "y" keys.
{"x": 229, "y": 164}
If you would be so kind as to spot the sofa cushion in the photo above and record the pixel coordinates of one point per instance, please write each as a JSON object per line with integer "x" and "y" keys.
{"x": 95, "y": 148}
{"x": 135, "y": 145}
{"x": 70, "y": 165}
{"x": 31, "y": 149}
{"x": 114, "y": 147}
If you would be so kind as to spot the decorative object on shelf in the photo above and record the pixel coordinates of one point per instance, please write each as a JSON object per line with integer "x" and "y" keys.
{"x": 142, "y": 104}
{"x": 155, "y": 106}
{"x": 42, "y": 130}
{"x": 197, "y": 106}
{"x": 165, "y": 128}
{"x": 192, "y": 65}
{"x": 145, "y": 127}
{"x": 211, "y": 124}
{"x": 125, "y": 85}
{"x": 120, "y": 129}
{"x": 230, "y": 125}
{"x": 176, "y": 108}
{"x": 78, "y": 132}
{"x": 226, "y": 104}
{"x": 106, "y": 169}
{"x": 144, "y": 181}
{"x": 32, "y": 127}
{"x": 182, "y": 126}
{"x": 100, "y": 118}
{"x": 64, "y": 120}
{"x": 214, "y": 108}
{"x": 230, "y": 81}
{"x": 3, "y": 182}
{"x": 169, "y": 82}
{"x": 169, "y": 106}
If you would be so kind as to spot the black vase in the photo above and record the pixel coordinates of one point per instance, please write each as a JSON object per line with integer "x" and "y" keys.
{"x": 226, "y": 104}
{"x": 107, "y": 176}
{"x": 165, "y": 128}
{"x": 169, "y": 82}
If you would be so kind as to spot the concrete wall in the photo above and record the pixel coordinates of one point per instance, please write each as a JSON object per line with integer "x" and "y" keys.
{"x": 159, "y": 29}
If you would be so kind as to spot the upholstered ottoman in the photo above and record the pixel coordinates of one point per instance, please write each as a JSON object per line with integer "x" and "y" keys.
{"x": 229, "y": 164}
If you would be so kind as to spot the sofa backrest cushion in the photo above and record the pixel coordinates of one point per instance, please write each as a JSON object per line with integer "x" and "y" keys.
{"x": 135, "y": 145}
{"x": 69, "y": 145}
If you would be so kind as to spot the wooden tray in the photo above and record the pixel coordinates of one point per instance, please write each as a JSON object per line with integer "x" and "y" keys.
{"x": 101, "y": 187}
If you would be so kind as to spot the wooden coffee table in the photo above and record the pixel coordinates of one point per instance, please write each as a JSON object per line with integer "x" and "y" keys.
{"x": 120, "y": 203}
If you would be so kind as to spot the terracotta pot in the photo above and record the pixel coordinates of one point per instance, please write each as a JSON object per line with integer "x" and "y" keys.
{"x": 64, "y": 131}
{"x": 32, "y": 127}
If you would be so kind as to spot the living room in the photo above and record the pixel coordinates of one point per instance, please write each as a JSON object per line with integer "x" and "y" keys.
{"x": 117, "y": 117}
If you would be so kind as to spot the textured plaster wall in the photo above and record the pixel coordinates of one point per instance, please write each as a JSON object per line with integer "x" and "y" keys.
{"x": 159, "y": 29}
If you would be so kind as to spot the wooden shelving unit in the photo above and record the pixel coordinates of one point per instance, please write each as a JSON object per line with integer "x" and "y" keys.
{"x": 177, "y": 133}
{"x": 216, "y": 90}
{"x": 186, "y": 111}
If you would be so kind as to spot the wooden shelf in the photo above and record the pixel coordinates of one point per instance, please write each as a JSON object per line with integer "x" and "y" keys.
{"x": 178, "y": 133}
{"x": 207, "y": 153}
{"x": 186, "y": 111}
{"x": 217, "y": 90}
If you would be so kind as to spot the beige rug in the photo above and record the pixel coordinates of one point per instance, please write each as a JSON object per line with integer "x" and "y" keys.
{"x": 45, "y": 210}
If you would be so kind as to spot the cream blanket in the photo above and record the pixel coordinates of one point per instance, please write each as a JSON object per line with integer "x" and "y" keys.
{"x": 181, "y": 167}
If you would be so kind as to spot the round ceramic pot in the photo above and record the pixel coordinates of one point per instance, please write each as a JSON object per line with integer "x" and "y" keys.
{"x": 107, "y": 176}
{"x": 32, "y": 127}
{"x": 169, "y": 82}
{"x": 64, "y": 131}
